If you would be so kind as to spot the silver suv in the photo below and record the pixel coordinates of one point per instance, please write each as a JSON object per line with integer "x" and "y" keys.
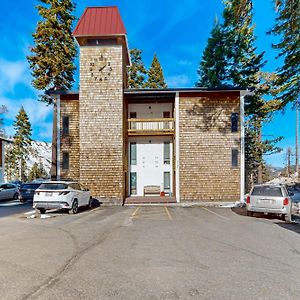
{"x": 270, "y": 199}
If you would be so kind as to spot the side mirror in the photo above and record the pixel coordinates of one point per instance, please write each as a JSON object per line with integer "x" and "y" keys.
{"x": 292, "y": 194}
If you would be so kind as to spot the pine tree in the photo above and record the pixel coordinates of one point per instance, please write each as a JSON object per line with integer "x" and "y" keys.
{"x": 11, "y": 170}
{"x": 137, "y": 71}
{"x": 37, "y": 171}
{"x": 287, "y": 26}
{"x": 212, "y": 69}
{"x": 155, "y": 75}
{"x": 52, "y": 59}
{"x": 22, "y": 142}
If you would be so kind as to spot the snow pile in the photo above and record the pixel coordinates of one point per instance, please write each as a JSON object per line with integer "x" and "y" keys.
{"x": 285, "y": 180}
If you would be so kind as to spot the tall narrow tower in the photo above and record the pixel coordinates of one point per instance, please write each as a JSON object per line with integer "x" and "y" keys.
{"x": 104, "y": 56}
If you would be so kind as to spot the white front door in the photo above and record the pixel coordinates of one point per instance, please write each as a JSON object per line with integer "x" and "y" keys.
{"x": 150, "y": 165}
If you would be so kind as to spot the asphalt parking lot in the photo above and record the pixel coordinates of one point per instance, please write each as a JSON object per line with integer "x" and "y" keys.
{"x": 149, "y": 253}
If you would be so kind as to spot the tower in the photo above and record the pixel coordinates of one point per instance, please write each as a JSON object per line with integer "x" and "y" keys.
{"x": 104, "y": 56}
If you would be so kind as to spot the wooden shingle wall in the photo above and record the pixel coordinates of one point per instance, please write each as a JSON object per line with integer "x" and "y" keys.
{"x": 101, "y": 122}
{"x": 206, "y": 142}
{"x": 70, "y": 143}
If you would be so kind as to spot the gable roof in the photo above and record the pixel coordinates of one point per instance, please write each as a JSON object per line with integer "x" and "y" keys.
{"x": 100, "y": 21}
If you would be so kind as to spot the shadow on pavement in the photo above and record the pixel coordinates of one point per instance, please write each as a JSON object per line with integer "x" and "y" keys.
{"x": 243, "y": 212}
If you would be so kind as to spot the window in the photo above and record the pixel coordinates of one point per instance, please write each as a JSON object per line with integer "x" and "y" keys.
{"x": 167, "y": 153}
{"x": 65, "y": 160}
{"x": 166, "y": 114}
{"x": 234, "y": 158}
{"x": 234, "y": 122}
{"x": 133, "y": 183}
{"x": 133, "y": 153}
{"x": 132, "y": 115}
{"x": 132, "y": 125}
{"x": 167, "y": 182}
{"x": 65, "y": 125}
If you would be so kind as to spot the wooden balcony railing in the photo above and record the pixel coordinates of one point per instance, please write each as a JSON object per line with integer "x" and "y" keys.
{"x": 163, "y": 126}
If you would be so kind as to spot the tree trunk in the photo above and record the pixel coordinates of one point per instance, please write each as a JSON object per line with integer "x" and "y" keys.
{"x": 53, "y": 171}
{"x": 260, "y": 169}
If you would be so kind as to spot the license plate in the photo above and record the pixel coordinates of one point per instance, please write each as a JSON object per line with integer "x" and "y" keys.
{"x": 48, "y": 194}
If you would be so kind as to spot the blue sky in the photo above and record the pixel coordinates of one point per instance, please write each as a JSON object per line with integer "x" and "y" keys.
{"x": 176, "y": 30}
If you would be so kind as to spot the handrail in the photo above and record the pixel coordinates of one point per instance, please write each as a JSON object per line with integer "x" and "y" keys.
{"x": 153, "y": 125}
{"x": 152, "y": 120}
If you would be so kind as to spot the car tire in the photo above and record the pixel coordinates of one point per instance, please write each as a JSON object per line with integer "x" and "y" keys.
{"x": 16, "y": 196}
{"x": 288, "y": 218}
{"x": 90, "y": 205}
{"x": 42, "y": 210}
{"x": 75, "y": 208}
{"x": 249, "y": 213}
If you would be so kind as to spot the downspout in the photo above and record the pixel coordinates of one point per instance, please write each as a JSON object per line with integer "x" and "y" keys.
{"x": 242, "y": 174}
{"x": 58, "y": 138}
{"x": 177, "y": 163}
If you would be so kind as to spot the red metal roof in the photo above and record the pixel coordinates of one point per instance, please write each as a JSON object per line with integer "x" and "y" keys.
{"x": 100, "y": 21}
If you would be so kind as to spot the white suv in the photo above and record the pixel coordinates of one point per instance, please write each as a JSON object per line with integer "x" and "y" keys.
{"x": 61, "y": 195}
{"x": 270, "y": 199}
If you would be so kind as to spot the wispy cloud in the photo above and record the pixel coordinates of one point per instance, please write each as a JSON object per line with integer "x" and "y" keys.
{"x": 13, "y": 73}
{"x": 36, "y": 110}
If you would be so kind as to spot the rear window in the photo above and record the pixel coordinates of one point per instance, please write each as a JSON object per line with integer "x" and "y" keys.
{"x": 30, "y": 186}
{"x": 53, "y": 186}
{"x": 267, "y": 191}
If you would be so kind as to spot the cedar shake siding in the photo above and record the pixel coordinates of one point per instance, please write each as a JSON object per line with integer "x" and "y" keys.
{"x": 70, "y": 140}
{"x": 101, "y": 122}
{"x": 206, "y": 144}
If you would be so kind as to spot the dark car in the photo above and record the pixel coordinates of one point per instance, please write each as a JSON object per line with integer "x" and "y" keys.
{"x": 26, "y": 191}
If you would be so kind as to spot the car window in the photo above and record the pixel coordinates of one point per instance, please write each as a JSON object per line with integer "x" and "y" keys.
{"x": 30, "y": 186}
{"x": 10, "y": 186}
{"x": 267, "y": 191}
{"x": 53, "y": 186}
{"x": 3, "y": 186}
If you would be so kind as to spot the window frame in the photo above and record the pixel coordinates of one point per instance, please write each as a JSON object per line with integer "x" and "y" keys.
{"x": 65, "y": 128}
{"x": 65, "y": 154}
{"x": 234, "y": 122}
{"x": 234, "y": 158}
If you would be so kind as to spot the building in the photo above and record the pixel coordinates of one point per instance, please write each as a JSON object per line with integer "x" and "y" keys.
{"x": 183, "y": 144}
{"x": 3, "y": 141}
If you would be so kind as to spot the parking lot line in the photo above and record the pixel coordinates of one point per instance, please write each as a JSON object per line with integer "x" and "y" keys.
{"x": 220, "y": 216}
{"x": 135, "y": 212}
{"x": 168, "y": 213}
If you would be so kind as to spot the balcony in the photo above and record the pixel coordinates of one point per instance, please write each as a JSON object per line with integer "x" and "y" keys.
{"x": 163, "y": 126}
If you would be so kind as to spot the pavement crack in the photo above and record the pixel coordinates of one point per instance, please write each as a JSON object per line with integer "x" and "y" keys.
{"x": 52, "y": 280}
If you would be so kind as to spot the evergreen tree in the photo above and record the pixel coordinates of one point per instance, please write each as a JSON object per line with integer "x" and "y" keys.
{"x": 37, "y": 171}
{"x": 22, "y": 142}
{"x": 136, "y": 72}
{"x": 155, "y": 76}
{"x": 212, "y": 69}
{"x": 11, "y": 170}
{"x": 287, "y": 26}
{"x": 52, "y": 59}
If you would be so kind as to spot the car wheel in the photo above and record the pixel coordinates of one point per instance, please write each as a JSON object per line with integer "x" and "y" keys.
{"x": 288, "y": 218}
{"x": 249, "y": 213}
{"x": 74, "y": 209}
{"x": 42, "y": 210}
{"x": 90, "y": 205}
{"x": 16, "y": 196}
